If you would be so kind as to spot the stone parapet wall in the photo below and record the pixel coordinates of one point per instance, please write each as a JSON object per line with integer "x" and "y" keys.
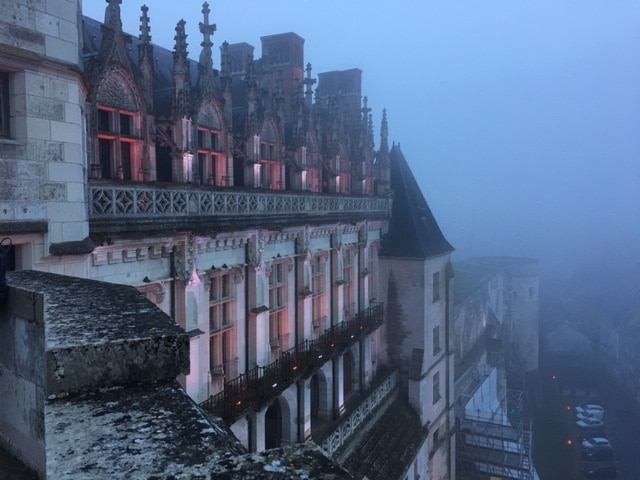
{"x": 22, "y": 382}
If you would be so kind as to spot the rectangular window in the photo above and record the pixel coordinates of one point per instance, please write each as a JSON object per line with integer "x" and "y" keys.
{"x": 126, "y": 124}
{"x": 202, "y": 135}
{"x": 318, "y": 288}
{"x": 4, "y": 105}
{"x": 349, "y": 287}
{"x": 436, "y": 286}
{"x": 221, "y": 326}
{"x": 278, "y": 331}
{"x": 215, "y": 141}
{"x": 125, "y": 160}
{"x": 436, "y": 387}
{"x": 104, "y": 120}
{"x": 221, "y": 355}
{"x": 436, "y": 340}
{"x": 212, "y": 167}
{"x": 221, "y": 303}
{"x": 117, "y": 143}
{"x": 105, "y": 152}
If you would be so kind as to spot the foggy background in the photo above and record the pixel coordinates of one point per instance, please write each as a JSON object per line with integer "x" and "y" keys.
{"x": 520, "y": 120}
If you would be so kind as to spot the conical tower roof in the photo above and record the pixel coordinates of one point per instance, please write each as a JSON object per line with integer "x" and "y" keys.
{"x": 413, "y": 230}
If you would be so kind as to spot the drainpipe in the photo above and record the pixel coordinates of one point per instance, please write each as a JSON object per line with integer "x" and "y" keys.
{"x": 5, "y": 245}
{"x": 447, "y": 320}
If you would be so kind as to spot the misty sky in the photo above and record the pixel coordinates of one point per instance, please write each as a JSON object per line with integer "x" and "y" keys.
{"x": 520, "y": 119}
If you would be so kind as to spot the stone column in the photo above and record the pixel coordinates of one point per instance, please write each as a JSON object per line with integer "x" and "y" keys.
{"x": 304, "y": 410}
{"x": 338, "y": 385}
{"x": 366, "y": 368}
{"x": 257, "y": 422}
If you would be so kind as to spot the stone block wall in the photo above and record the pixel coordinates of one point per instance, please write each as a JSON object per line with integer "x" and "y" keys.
{"x": 22, "y": 378}
{"x": 48, "y": 28}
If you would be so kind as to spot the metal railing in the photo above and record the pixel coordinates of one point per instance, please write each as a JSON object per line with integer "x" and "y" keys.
{"x": 259, "y": 385}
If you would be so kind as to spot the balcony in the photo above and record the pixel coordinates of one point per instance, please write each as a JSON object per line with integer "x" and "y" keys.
{"x": 260, "y": 385}
{"x": 121, "y": 207}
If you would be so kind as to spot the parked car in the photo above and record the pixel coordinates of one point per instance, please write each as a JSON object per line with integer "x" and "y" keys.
{"x": 600, "y": 471}
{"x": 582, "y": 408}
{"x": 600, "y": 454}
{"x": 592, "y": 443}
{"x": 599, "y": 414}
{"x": 590, "y": 423}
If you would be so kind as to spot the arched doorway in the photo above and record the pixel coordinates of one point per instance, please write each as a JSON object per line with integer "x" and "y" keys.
{"x": 273, "y": 426}
{"x": 315, "y": 397}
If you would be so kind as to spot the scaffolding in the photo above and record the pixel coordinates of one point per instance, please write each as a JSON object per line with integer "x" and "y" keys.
{"x": 495, "y": 445}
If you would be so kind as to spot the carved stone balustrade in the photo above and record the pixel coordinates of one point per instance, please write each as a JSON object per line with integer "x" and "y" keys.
{"x": 117, "y": 207}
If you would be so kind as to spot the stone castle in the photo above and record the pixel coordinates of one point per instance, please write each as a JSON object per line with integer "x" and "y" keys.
{"x": 216, "y": 272}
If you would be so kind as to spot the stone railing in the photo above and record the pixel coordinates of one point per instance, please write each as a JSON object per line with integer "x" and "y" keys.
{"x": 149, "y": 201}
{"x": 360, "y": 415}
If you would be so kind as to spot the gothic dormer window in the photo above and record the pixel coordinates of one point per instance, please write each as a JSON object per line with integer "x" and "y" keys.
{"x": 212, "y": 163}
{"x": 118, "y": 141}
{"x": 271, "y": 169}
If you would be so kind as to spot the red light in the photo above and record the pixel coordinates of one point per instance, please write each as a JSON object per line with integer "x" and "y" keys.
{"x": 569, "y": 442}
{"x": 553, "y": 377}
{"x": 238, "y": 403}
{"x": 568, "y": 407}
{"x": 333, "y": 345}
{"x": 295, "y": 367}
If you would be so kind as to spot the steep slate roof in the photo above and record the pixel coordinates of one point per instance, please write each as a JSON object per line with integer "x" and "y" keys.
{"x": 413, "y": 230}
{"x": 390, "y": 445}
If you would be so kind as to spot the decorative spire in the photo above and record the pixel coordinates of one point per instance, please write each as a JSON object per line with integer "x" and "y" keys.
{"x": 370, "y": 127}
{"x": 145, "y": 58}
{"x": 205, "y": 67}
{"x": 225, "y": 63}
{"x": 365, "y": 109}
{"x": 181, "y": 76}
{"x": 112, "y": 15}
{"x": 207, "y": 29}
{"x": 145, "y": 29}
{"x": 384, "y": 133}
{"x": 180, "y": 48}
{"x": 309, "y": 82}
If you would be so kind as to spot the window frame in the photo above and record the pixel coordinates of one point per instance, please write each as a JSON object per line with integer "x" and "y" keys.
{"x": 5, "y": 105}
{"x": 436, "y": 340}
{"x": 436, "y": 387}
{"x": 278, "y": 285}
{"x": 222, "y": 300}
{"x": 436, "y": 287}
{"x": 118, "y": 165}
{"x": 212, "y": 167}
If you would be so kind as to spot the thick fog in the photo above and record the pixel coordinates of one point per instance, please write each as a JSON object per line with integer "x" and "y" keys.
{"x": 521, "y": 120}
